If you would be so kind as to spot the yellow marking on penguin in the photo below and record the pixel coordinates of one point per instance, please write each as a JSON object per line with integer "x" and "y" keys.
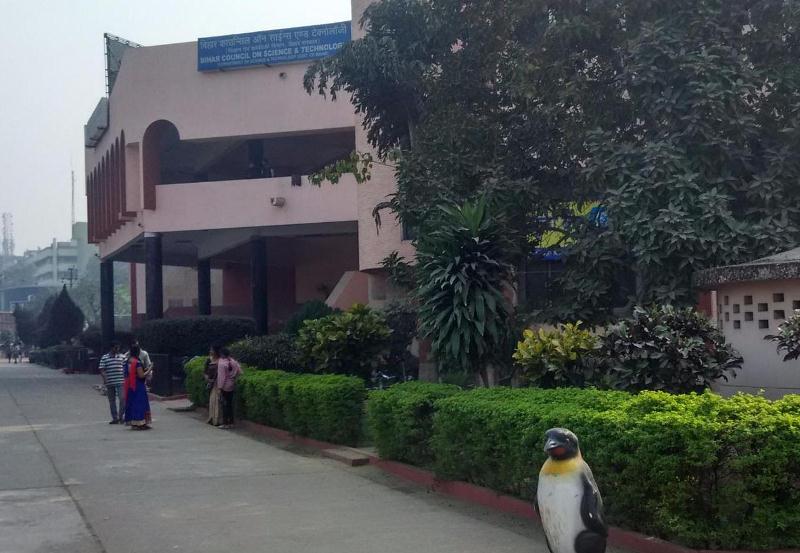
{"x": 553, "y": 467}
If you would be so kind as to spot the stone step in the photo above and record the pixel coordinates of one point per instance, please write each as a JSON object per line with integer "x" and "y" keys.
{"x": 347, "y": 456}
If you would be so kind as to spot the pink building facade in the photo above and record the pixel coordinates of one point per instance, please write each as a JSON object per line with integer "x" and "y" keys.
{"x": 201, "y": 181}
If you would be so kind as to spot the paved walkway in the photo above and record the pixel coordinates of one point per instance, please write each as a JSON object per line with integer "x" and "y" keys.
{"x": 71, "y": 483}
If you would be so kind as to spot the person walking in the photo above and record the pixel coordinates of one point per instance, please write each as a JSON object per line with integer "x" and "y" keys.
{"x": 137, "y": 404}
{"x": 228, "y": 370}
{"x": 112, "y": 367}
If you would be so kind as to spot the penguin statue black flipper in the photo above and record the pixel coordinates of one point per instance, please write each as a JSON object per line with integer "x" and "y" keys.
{"x": 592, "y": 505}
{"x": 593, "y": 539}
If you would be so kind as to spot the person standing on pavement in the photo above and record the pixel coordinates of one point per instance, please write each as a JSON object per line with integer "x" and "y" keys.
{"x": 210, "y": 375}
{"x": 111, "y": 367}
{"x": 228, "y": 370}
{"x": 144, "y": 359}
{"x": 137, "y": 404}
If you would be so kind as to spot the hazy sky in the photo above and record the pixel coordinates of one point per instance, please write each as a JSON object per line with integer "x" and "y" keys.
{"x": 52, "y": 73}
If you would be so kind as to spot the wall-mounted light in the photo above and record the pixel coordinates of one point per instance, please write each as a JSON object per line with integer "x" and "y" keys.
{"x": 277, "y": 202}
{"x": 282, "y": 75}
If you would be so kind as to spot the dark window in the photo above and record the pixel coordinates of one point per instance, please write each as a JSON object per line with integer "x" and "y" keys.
{"x": 727, "y": 316}
{"x": 737, "y": 324}
{"x": 238, "y": 157}
{"x": 727, "y": 300}
{"x": 763, "y": 307}
{"x": 735, "y": 307}
{"x": 748, "y": 315}
{"x": 796, "y": 304}
{"x": 748, "y": 300}
{"x": 779, "y": 314}
{"x": 763, "y": 323}
{"x": 541, "y": 286}
{"x": 777, "y": 297}
{"x": 408, "y": 232}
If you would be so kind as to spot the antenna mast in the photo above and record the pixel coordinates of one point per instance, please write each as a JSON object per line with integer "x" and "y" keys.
{"x": 72, "y": 198}
{"x": 8, "y": 238}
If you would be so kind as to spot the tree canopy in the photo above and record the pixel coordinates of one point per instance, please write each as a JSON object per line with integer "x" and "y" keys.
{"x": 61, "y": 321}
{"x": 681, "y": 118}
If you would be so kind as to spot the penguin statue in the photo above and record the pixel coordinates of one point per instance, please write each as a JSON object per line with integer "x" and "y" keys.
{"x": 567, "y": 498}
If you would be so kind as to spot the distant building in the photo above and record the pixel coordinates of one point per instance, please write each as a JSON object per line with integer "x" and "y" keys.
{"x": 61, "y": 262}
{"x": 46, "y": 269}
{"x": 749, "y": 302}
{"x": 7, "y": 323}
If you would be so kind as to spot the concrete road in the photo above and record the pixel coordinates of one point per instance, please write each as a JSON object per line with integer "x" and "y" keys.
{"x": 71, "y": 483}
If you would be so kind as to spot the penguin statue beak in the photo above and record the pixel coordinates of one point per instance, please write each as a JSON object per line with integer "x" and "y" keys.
{"x": 551, "y": 445}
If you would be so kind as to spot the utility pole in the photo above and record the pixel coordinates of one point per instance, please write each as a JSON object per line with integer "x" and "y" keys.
{"x": 72, "y": 276}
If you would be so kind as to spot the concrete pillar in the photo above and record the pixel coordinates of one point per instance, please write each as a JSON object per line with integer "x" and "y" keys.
{"x": 154, "y": 281}
{"x": 258, "y": 283}
{"x": 204, "y": 286}
{"x": 107, "y": 303}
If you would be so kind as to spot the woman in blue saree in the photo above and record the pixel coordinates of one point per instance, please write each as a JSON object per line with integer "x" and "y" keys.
{"x": 137, "y": 405}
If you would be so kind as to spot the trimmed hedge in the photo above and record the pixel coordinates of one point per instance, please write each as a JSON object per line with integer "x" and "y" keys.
{"x": 701, "y": 470}
{"x": 400, "y": 419}
{"x": 323, "y": 407}
{"x": 192, "y": 335}
{"x": 195, "y": 383}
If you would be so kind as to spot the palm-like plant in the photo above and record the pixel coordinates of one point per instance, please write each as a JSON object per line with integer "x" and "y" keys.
{"x": 464, "y": 267}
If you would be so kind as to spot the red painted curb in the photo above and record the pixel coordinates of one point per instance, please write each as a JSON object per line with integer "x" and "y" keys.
{"x": 486, "y": 497}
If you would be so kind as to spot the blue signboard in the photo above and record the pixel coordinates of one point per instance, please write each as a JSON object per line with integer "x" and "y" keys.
{"x": 271, "y": 47}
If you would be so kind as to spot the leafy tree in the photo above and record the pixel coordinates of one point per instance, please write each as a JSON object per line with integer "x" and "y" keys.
{"x": 464, "y": 268}
{"x": 86, "y": 292}
{"x": 309, "y": 311}
{"x": 681, "y": 119}
{"x": 26, "y": 324}
{"x": 65, "y": 320}
{"x": 42, "y": 322}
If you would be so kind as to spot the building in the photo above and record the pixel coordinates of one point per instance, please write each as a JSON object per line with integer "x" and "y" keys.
{"x": 200, "y": 177}
{"x": 8, "y": 324}
{"x": 44, "y": 270}
{"x": 61, "y": 262}
{"x": 749, "y": 302}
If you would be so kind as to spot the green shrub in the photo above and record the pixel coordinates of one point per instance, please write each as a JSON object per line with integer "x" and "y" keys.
{"x": 309, "y": 311}
{"x": 401, "y": 419}
{"x": 701, "y": 470}
{"x": 353, "y": 342}
{"x": 259, "y": 392}
{"x": 61, "y": 357}
{"x": 557, "y": 357}
{"x": 192, "y": 335}
{"x": 276, "y": 351}
{"x": 669, "y": 349}
{"x": 195, "y": 381}
{"x": 788, "y": 338}
{"x": 324, "y": 407}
